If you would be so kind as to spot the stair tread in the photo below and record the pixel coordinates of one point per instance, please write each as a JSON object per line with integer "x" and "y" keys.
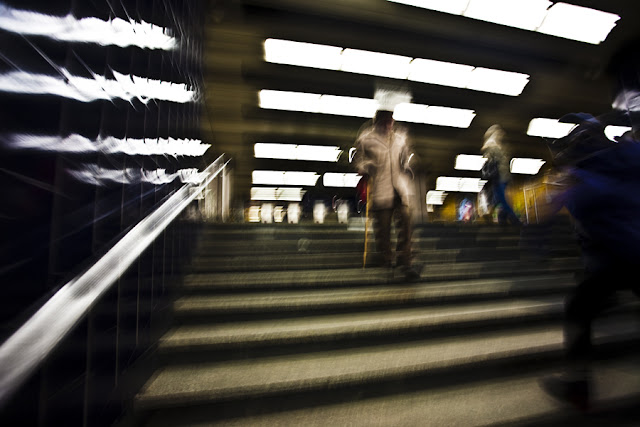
{"x": 397, "y": 293}
{"x": 182, "y": 384}
{"x": 512, "y": 400}
{"x": 373, "y": 275}
{"x": 354, "y": 324}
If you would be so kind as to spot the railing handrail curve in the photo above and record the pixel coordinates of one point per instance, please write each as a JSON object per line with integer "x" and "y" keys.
{"x": 24, "y": 351}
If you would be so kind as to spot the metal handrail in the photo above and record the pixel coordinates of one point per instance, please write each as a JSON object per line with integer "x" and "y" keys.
{"x": 24, "y": 351}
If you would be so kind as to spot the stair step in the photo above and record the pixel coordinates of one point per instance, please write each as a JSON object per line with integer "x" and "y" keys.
{"x": 502, "y": 400}
{"x": 343, "y": 277}
{"x": 353, "y": 326}
{"x": 309, "y": 301}
{"x": 206, "y": 383}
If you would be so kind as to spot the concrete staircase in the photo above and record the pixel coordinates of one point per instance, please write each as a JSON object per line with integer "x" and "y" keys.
{"x": 280, "y": 325}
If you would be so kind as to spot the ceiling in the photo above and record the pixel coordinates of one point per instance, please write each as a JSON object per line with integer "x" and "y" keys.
{"x": 566, "y": 76}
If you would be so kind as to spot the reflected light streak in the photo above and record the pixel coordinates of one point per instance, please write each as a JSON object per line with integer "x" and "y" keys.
{"x": 109, "y": 145}
{"x": 127, "y": 87}
{"x": 67, "y": 28}
{"x": 99, "y": 176}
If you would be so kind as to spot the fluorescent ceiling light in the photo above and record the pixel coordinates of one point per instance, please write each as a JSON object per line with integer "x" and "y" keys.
{"x": 496, "y": 81}
{"x": 293, "y": 101}
{"x": 287, "y": 194}
{"x": 465, "y": 185}
{"x": 319, "y": 153}
{"x": 302, "y": 54}
{"x": 469, "y": 162}
{"x": 524, "y": 14}
{"x": 284, "y": 178}
{"x": 360, "y": 107}
{"x": 578, "y": 23}
{"x": 526, "y": 166}
{"x": 116, "y": 31}
{"x": 395, "y": 66}
{"x": 435, "y": 197}
{"x": 374, "y": 63}
{"x": 560, "y": 20}
{"x": 612, "y": 132}
{"x": 455, "y": 7}
{"x": 332, "y": 179}
{"x": 549, "y": 128}
{"x": 347, "y": 106}
{"x": 434, "y": 115}
{"x": 440, "y": 73}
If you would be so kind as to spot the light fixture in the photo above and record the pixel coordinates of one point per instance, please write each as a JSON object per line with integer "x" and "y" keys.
{"x": 374, "y": 63}
{"x": 578, "y": 23}
{"x": 287, "y": 194}
{"x": 524, "y": 14}
{"x": 366, "y": 108}
{"x": 333, "y": 179}
{"x": 496, "y": 81}
{"x": 561, "y": 19}
{"x": 455, "y": 184}
{"x": 526, "y": 166}
{"x": 394, "y": 66}
{"x": 319, "y": 153}
{"x": 436, "y": 197}
{"x": 470, "y": 162}
{"x": 549, "y": 128}
{"x": 440, "y": 73}
{"x": 265, "y": 177}
{"x": 302, "y": 54}
{"x": 455, "y": 7}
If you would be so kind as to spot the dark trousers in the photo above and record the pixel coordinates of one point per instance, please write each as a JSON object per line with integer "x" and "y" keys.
{"x": 382, "y": 228}
{"x": 591, "y": 297}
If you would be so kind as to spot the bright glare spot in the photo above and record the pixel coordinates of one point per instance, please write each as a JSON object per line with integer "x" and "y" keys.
{"x": 612, "y": 132}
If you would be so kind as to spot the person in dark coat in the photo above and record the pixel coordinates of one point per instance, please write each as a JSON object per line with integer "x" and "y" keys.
{"x": 598, "y": 182}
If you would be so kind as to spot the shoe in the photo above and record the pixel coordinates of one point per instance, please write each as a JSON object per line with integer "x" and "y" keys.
{"x": 573, "y": 392}
{"x": 413, "y": 272}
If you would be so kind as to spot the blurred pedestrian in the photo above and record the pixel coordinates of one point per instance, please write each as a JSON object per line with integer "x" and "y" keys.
{"x": 496, "y": 172}
{"x": 383, "y": 157}
{"x": 597, "y": 180}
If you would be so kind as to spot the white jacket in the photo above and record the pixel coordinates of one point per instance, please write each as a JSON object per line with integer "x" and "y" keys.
{"x": 386, "y": 159}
